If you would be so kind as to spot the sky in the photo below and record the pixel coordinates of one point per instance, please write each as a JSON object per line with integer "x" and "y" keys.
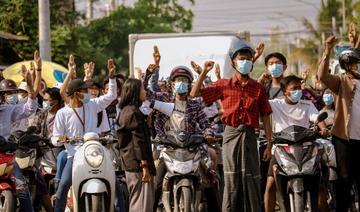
{"x": 255, "y": 16}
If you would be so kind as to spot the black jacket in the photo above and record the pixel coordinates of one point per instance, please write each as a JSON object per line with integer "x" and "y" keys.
{"x": 134, "y": 140}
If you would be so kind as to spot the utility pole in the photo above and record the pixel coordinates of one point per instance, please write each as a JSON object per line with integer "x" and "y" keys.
{"x": 333, "y": 23}
{"x": 44, "y": 30}
{"x": 89, "y": 11}
{"x": 343, "y": 16}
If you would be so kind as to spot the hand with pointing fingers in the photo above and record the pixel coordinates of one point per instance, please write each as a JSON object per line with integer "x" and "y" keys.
{"x": 196, "y": 67}
{"x": 208, "y": 65}
{"x": 156, "y": 56}
{"x": 111, "y": 68}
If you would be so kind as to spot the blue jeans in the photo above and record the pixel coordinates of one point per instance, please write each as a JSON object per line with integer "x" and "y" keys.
{"x": 60, "y": 163}
{"x": 120, "y": 202}
{"x": 22, "y": 189}
{"x": 64, "y": 186}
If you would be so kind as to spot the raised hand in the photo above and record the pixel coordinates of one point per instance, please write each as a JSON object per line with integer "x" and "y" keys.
{"x": 259, "y": 51}
{"x": 196, "y": 67}
{"x": 152, "y": 67}
{"x": 89, "y": 70}
{"x": 331, "y": 42}
{"x": 264, "y": 76}
{"x": 217, "y": 71}
{"x": 208, "y": 65}
{"x": 156, "y": 56}
{"x": 305, "y": 74}
{"x": 72, "y": 67}
{"x": 352, "y": 35}
{"x": 111, "y": 68}
{"x": 37, "y": 60}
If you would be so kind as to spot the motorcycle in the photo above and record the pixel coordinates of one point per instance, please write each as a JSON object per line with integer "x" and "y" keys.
{"x": 47, "y": 166}
{"x": 111, "y": 145}
{"x": 298, "y": 170}
{"x": 93, "y": 175}
{"x": 182, "y": 186}
{"x": 21, "y": 148}
{"x": 7, "y": 183}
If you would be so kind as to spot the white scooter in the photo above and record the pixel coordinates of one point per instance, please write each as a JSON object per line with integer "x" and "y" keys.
{"x": 93, "y": 177}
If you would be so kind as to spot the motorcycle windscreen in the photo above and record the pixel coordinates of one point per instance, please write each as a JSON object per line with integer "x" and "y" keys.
{"x": 295, "y": 134}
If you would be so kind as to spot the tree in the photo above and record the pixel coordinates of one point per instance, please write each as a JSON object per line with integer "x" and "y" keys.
{"x": 20, "y": 17}
{"x": 101, "y": 39}
{"x": 108, "y": 37}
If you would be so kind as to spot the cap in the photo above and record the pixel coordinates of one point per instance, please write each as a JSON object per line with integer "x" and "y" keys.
{"x": 75, "y": 85}
{"x": 23, "y": 86}
{"x": 91, "y": 83}
{"x": 237, "y": 45}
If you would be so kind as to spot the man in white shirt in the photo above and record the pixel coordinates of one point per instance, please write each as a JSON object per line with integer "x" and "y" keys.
{"x": 76, "y": 119}
{"x": 288, "y": 111}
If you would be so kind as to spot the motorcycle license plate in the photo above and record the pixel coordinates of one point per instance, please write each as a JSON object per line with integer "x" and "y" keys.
{"x": 183, "y": 167}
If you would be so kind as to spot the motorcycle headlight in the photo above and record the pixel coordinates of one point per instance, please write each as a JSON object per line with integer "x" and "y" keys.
{"x": 94, "y": 155}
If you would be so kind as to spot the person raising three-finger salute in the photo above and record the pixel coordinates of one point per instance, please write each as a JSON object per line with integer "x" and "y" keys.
{"x": 345, "y": 130}
{"x": 244, "y": 100}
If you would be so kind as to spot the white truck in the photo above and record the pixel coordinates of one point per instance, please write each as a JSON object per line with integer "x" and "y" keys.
{"x": 181, "y": 48}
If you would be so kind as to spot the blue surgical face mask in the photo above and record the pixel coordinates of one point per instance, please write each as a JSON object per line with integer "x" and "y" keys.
{"x": 276, "y": 70}
{"x": 87, "y": 97}
{"x": 181, "y": 87}
{"x": 12, "y": 99}
{"x": 328, "y": 99}
{"x": 295, "y": 96}
{"x": 244, "y": 67}
{"x": 46, "y": 105}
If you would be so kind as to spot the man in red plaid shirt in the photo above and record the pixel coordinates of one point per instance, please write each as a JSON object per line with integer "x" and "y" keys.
{"x": 244, "y": 101}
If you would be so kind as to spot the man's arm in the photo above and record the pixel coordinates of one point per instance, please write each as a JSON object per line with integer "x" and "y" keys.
{"x": 265, "y": 110}
{"x": 37, "y": 80}
{"x": 195, "y": 91}
{"x": 22, "y": 111}
{"x": 331, "y": 81}
{"x": 105, "y": 100}
{"x": 71, "y": 75}
{"x": 259, "y": 50}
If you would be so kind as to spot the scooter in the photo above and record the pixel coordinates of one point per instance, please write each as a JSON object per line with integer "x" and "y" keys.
{"x": 183, "y": 155}
{"x": 93, "y": 176}
{"x": 7, "y": 184}
{"x": 298, "y": 169}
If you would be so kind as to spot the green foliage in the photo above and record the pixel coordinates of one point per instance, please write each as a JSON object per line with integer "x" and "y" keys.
{"x": 99, "y": 40}
{"x": 108, "y": 37}
{"x": 20, "y": 17}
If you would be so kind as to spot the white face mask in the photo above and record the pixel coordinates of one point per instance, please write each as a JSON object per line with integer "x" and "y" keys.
{"x": 22, "y": 99}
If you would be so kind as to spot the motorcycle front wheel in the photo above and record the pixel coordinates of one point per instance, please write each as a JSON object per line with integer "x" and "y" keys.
{"x": 95, "y": 203}
{"x": 185, "y": 200}
{"x": 7, "y": 201}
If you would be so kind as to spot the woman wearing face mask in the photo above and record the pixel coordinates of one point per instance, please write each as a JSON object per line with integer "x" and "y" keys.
{"x": 328, "y": 98}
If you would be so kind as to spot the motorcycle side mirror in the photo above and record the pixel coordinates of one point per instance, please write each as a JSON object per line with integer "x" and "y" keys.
{"x": 322, "y": 117}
